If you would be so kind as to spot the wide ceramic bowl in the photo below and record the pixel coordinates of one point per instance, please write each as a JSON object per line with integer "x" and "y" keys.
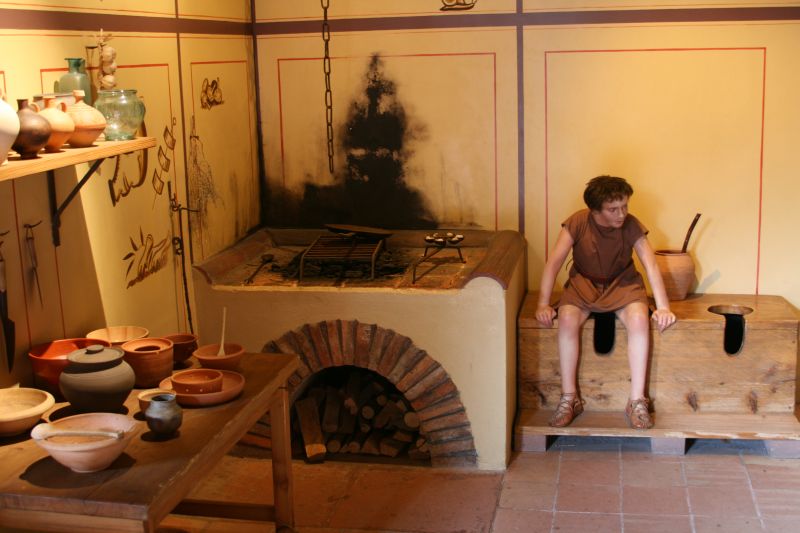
{"x": 50, "y": 359}
{"x": 82, "y": 453}
{"x": 197, "y": 381}
{"x": 183, "y": 345}
{"x": 207, "y": 355}
{"x": 21, "y": 408}
{"x": 118, "y": 335}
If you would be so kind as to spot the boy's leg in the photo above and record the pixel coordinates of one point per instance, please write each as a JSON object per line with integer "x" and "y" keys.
{"x": 636, "y": 318}
{"x": 570, "y": 320}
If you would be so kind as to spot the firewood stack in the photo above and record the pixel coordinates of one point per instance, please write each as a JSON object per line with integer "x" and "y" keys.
{"x": 363, "y": 416}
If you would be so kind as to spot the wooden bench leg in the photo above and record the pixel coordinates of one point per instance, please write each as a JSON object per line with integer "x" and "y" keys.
{"x": 530, "y": 443}
{"x": 783, "y": 449}
{"x": 667, "y": 446}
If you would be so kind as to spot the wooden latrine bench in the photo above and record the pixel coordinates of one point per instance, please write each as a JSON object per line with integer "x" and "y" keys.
{"x": 726, "y": 370}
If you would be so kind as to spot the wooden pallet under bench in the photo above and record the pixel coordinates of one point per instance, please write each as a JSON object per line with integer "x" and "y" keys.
{"x": 699, "y": 390}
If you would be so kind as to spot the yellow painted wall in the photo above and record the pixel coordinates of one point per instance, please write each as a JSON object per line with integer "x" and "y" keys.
{"x": 86, "y": 282}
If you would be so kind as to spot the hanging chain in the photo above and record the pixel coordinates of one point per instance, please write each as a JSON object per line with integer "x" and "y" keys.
{"x": 326, "y": 66}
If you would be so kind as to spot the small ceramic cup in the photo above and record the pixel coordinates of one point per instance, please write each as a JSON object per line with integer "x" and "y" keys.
{"x": 197, "y": 381}
{"x": 145, "y": 396}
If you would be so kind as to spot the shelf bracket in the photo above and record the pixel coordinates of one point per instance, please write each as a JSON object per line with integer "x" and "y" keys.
{"x": 55, "y": 209}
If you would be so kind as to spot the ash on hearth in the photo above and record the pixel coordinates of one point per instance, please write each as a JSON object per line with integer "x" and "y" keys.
{"x": 389, "y": 264}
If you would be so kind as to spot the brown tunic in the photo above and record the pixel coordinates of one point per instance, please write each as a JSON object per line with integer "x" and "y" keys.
{"x": 602, "y": 276}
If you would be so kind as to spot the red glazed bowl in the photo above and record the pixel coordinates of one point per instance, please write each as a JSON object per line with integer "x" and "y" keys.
{"x": 50, "y": 359}
{"x": 207, "y": 355}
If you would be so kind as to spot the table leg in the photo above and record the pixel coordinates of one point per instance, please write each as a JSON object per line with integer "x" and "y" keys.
{"x": 282, "y": 461}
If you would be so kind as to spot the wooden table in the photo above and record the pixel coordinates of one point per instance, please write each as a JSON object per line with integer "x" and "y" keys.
{"x": 152, "y": 477}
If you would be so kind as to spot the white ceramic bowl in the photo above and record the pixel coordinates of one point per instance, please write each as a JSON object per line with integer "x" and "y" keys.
{"x": 21, "y": 408}
{"x": 87, "y": 453}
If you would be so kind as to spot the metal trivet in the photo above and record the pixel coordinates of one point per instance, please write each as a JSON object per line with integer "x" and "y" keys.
{"x": 352, "y": 243}
{"x": 437, "y": 243}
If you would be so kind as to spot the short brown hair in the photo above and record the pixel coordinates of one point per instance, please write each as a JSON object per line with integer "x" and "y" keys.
{"x": 605, "y": 189}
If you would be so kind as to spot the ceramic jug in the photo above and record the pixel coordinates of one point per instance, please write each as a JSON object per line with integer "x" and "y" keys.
{"x": 124, "y": 113}
{"x": 61, "y": 124}
{"x": 96, "y": 379}
{"x": 34, "y": 130}
{"x": 164, "y": 416}
{"x": 76, "y": 78}
{"x": 9, "y": 127}
{"x": 89, "y": 122}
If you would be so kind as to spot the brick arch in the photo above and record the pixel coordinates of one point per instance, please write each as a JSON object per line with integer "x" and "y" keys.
{"x": 421, "y": 379}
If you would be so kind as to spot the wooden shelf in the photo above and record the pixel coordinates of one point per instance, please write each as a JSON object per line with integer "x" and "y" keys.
{"x": 16, "y": 167}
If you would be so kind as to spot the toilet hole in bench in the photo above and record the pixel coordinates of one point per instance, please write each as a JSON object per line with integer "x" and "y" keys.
{"x": 604, "y": 330}
{"x": 734, "y": 325}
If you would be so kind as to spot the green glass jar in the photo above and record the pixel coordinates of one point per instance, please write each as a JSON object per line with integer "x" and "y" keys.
{"x": 76, "y": 78}
{"x": 124, "y": 112}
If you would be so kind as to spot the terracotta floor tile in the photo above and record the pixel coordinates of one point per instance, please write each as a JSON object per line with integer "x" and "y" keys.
{"x": 657, "y": 524}
{"x": 419, "y": 499}
{"x": 599, "y": 472}
{"x": 587, "y": 523}
{"x": 718, "y": 524}
{"x": 581, "y": 455}
{"x": 654, "y": 500}
{"x": 722, "y": 500}
{"x": 711, "y": 470}
{"x": 535, "y": 467}
{"x": 637, "y": 473}
{"x": 778, "y": 502}
{"x": 780, "y": 525}
{"x": 639, "y": 455}
{"x": 774, "y": 476}
{"x": 588, "y": 498}
{"x": 527, "y": 495}
{"x": 519, "y": 521}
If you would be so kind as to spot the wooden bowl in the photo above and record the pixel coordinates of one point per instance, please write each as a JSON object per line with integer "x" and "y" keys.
{"x": 197, "y": 381}
{"x": 86, "y": 453}
{"x": 207, "y": 355}
{"x": 21, "y": 408}
{"x": 118, "y": 335}
{"x": 48, "y": 360}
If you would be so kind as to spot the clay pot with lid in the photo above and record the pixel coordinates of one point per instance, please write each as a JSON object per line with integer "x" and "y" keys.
{"x": 34, "y": 130}
{"x": 151, "y": 360}
{"x": 89, "y": 122}
{"x": 97, "y": 379}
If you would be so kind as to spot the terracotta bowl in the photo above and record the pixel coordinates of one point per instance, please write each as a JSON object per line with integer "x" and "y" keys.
{"x": 50, "y": 359}
{"x": 87, "y": 453}
{"x": 183, "y": 345}
{"x": 207, "y": 355}
{"x": 145, "y": 396}
{"x": 21, "y": 408}
{"x": 151, "y": 360}
{"x": 197, "y": 381}
{"x": 118, "y": 335}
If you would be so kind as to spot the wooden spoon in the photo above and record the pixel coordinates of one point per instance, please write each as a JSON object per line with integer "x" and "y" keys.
{"x": 48, "y": 431}
{"x": 221, "y": 350}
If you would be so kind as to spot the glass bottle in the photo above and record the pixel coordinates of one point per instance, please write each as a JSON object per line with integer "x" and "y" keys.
{"x": 124, "y": 112}
{"x": 76, "y": 78}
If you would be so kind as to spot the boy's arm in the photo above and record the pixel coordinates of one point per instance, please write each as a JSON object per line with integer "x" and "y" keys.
{"x": 544, "y": 312}
{"x": 662, "y": 315}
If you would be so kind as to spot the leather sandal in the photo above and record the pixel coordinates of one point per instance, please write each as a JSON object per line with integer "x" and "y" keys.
{"x": 569, "y": 406}
{"x": 638, "y": 413}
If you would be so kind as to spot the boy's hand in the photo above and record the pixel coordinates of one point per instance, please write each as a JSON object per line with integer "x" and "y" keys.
{"x": 545, "y": 314}
{"x": 663, "y": 318}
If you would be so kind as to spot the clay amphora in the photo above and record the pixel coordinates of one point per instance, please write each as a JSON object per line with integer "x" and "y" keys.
{"x": 89, "y": 122}
{"x": 9, "y": 127}
{"x": 164, "y": 416}
{"x": 677, "y": 271}
{"x": 34, "y": 130}
{"x": 96, "y": 379}
{"x": 60, "y": 122}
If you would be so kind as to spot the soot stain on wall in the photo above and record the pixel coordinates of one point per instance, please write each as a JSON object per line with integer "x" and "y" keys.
{"x": 372, "y": 189}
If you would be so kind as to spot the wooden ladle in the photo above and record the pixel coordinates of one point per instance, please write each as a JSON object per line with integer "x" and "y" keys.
{"x": 221, "y": 350}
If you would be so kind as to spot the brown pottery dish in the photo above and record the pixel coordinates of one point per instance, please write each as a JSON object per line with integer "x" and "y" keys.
{"x": 151, "y": 360}
{"x": 207, "y": 355}
{"x": 197, "y": 381}
{"x": 183, "y": 345}
{"x": 232, "y": 385}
